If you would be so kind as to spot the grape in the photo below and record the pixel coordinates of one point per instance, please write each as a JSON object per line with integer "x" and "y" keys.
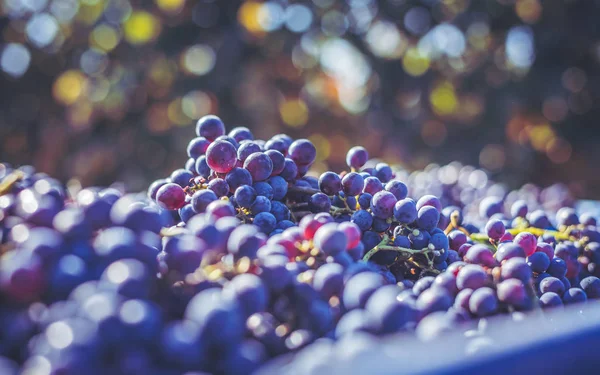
{"x": 462, "y": 298}
{"x": 512, "y": 292}
{"x": 364, "y": 200}
{"x": 265, "y": 221}
{"x": 539, "y": 219}
{"x": 249, "y": 291}
{"x": 260, "y": 204}
{"x": 566, "y": 216}
{"x": 516, "y": 268}
{"x": 483, "y": 302}
{"x": 329, "y": 239}
{"x": 399, "y": 189}
{"x": 527, "y": 241}
{"x": 245, "y": 240}
{"x": 490, "y": 206}
{"x": 352, "y": 232}
{"x": 201, "y": 199}
{"x": 170, "y": 196}
{"x": 456, "y": 239}
{"x": 247, "y": 149}
{"x": 574, "y": 295}
{"x": 539, "y": 262}
{"x": 434, "y": 299}
{"x": 480, "y": 254}
{"x": 588, "y": 219}
{"x": 277, "y": 160}
{"x": 330, "y": 183}
{"x": 279, "y": 186}
{"x": 319, "y": 202}
{"x": 245, "y": 195}
{"x": 197, "y": 147}
{"x": 509, "y": 250}
{"x": 153, "y": 189}
{"x": 405, "y": 211}
{"x": 372, "y": 185}
{"x": 352, "y": 184}
{"x": 550, "y": 300}
{"x": 259, "y": 165}
{"x": 422, "y": 285}
{"x": 357, "y": 157}
{"x": 389, "y": 314}
{"x": 280, "y": 211}
{"x": 419, "y": 239}
{"x": 220, "y": 208}
{"x": 302, "y": 152}
{"x": 357, "y": 320}
{"x": 219, "y": 186}
{"x": 428, "y": 217}
{"x": 546, "y": 249}
{"x": 221, "y": 156}
{"x": 471, "y": 276}
{"x": 290, "y": 170}
{"x": 382, "y": 204}
{"x": 446, "y": 281}
{"x": 495, "y": 229}
{"x": 359, "y": 288}
{"x": 238, "y": 177}
{"x": 519, "y": 209}
{"x": 210, "y": 127}
{"x": 591, "y": 287}
{"x": 328, "y": 280}
{"x": 557, "y": 268}
{"x": 383, "y": 172}
{"x": 362, "y": 219}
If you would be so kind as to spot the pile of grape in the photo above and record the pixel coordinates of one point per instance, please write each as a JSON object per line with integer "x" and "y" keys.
{"x": 243, "y": 256}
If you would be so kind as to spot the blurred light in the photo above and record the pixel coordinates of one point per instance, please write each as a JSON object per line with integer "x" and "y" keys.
{"x": 433, "y": 133}
{"x": 334, "y": 23}
{"x": 519, "y": 46}
{"x": 323, "y": 3}
{"x": 64, "y": 10}
{"x": 444, "y": 39}
{"x": 478, "y": 35}
{"x": 141, "y": 27}
{"x": 15, "y": 59}
{"x": 270, "y": 16}
{"x": 176, "y": 114}
{"x": 492, "y": 157}
{"x": 443, "y": 99}
{"x": 170, "y": 6}
{"x": 528, "y": 10}
{"x": 35, "y": 5}
{"x": 248, "y": 16}
{"x": 354, "y": 101}
{"x": 415, "y": 63}
{"x": 344, "y": 62}
{"x": 93, "y": 61}
{"x": 132, "y": 312}
{"x": 68, "y": 87}
{"x": 117, "y": 11}
{"x": 558, "y": 150}
{"x": 574, "y": 79}
{"x": 540, "y": 136}
{"x": 199, "y": 59}
{"x": 294, "y": 112}
{"x": 478, "y": 179}
{"x": 41, "y": 29}
{"x": 59, "y": 335}
{"x": 196, "y": 104}
{"x": 322, "y": 145}
{"x": 104, "y": 37}
{"x": 384, "y": 40}
{"x": 91, "y": 10}
{"x": 417, "y": 20}
{"x": 555, "y": 108}
{"x": 298, "y": 18}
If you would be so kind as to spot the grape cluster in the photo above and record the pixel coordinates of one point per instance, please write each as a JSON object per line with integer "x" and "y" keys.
{"x": 243, "y": 256}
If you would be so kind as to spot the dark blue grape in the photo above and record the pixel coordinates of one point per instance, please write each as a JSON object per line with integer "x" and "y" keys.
{"x": 278, "y": 161}
{"x": 280, "y": 187}
{"x": 372, "y": 185}
{"x": 238, "y": 177}
{"x": 246, "y": 149}
{"x": 259, "y": 165}
{"x": 405, "y": 211}
{"x": 357, "y": 157}
{"x": 202, "y": 168}
{"x": 197, "y": 147}
{"x": 399, "y": 189}
{"x": 383, "y": 172}
{"x": 201, "y": 199}
{"x": 302, "y": 152}
{"x": 245, "y": 196}
{"x": 364, "y": 200}
{"x": 210, "y": 127}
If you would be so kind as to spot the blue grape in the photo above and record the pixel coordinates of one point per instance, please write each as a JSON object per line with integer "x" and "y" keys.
{"x": 210, "y": 127}
{"x": 238, "y": 177}
{"x": 405, "y": 211}
{"x": 259, "y": 165}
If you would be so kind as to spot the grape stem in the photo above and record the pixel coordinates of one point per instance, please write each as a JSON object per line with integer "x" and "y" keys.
{"x": 8, "y": 182}
{"x": 383, "y": 246}
{"x": 303, "y": 190}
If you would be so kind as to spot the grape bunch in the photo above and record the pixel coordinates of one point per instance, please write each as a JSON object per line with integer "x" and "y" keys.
{"x": 244, "y": 255}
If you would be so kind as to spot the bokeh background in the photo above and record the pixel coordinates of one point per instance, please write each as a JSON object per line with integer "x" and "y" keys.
{"x": 106, "y": 90}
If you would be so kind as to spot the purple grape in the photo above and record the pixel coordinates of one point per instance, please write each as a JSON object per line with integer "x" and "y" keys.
{"x": 280, "y": 187}
{"x": 405, "y": 211}
{"x": 260, "y": 204}
{"x": 238, "y": 177}
{"x": 228, "y": 139}
{"x": 399, "y": 189}
{"x": 210, "y": 127}
{"x": 202, "y": 168}
{"x": 519, "y": 209}
{"x": 434, "y": 299}
{"x": 181, "y": 177}
{"x": 429, "y": 200}
{"x": 278, "y": 161}
{"x": 490, "y": 206}
{"x": 552, "y": 284}
{"x": 588, "y": 219}
{"x": 390, "y": 315}
{"x": 372, "y": 185}
{"x": 462, "y": 298}
{"x": 546, "y": 249}
{"x": 290, "y": 170}
{"x": 516, "y": 268}
{"x": 456, "y": 239}
{"x": 428, "y": 217}
{"x": 221, "y": 156}
{"x": 330, "y": 183}
{"x": 245, "y": 196}
{"x": 329, "y": 239}
{"x": 512, "y": 292}
{"x": 495, "y": 229}
{"x": 382, "y": 204}
{"x": 153, "y": 189}
{"x": 480, "y": 254}
{"x": 508, "y": 250}
{"x": 302, "y": 152}
{"x": 352, "y": 184}
{"x": 539, "y": 262}
{"x": 265, "y": 221}
{"x": 471, "y": 276}
{"x": 219, "y": 186}
{"x": 197, "y": 147}
{"x": 247, "y": 149}
{"x": 566, "y": 216}
{"x": 220, "y": 208}
{"x": 277, "y": 144}
{"x": 363, "y": 219}
{"x": 591, "y": 287}
{"x": 201, "y": 200}
{"x": 364, "y": 201}
{"x": 280, "y": 211}
{"x": 359, "y": 288}
{"x": 550, "y": 300}
{"x": 259, "y": 165}
{"x": 171, "y": 196}
{"x": 527, "y": 241}
{"x": 383, "y": 172}
{"x": 356, "y": 157}
{"x": 319, "y": 202}
{"x": 574, "y": 295}
{"x": 539, "y": 219}
{"x": 483, "y": 302}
